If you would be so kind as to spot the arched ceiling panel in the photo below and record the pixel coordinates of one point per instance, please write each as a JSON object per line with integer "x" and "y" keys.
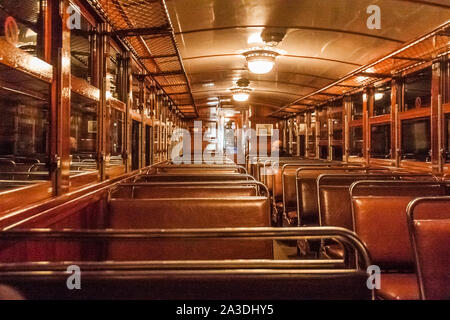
{"x": 325, "y": 40}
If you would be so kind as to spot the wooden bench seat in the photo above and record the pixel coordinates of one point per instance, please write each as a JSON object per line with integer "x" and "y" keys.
{"x": 301, "y": 196}
{"x": 335, "y": 203}
{"x": 379, "y": 219}
{"x": 429, "y": 229}
{"x": 189, "y": 213}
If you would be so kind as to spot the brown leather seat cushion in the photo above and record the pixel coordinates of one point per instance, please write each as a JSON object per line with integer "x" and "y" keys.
{"x": 398, "y": 286}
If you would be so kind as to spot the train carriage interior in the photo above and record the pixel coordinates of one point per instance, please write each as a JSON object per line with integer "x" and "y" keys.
{"x": 225, "y": 149}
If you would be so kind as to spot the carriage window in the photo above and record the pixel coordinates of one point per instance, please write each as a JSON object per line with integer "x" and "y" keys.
{"x": 81, "y": 49}
{"x": 323, "y": 152}
{"x": 83, "y": 134}
{"x": 135, "y": 69}
{"x": 382, "y": 101}
{"x": 112, "y": 83}
{"x": 356, "y": 141}
{"x": 26, "y": 16}
{"x": 116, "y": 132}
{"x": 24, "y": 140}
{"x": 311, "y": 147}
{"x": 417, "y": 90}
{"x": 337, "y": 153}
{"x": 337, "y": 125}
{"x": 323, "y": 125}
{"x": 416, "y": 139}
{"x": 380, "y": 141}
{"x": 357, "y": 106}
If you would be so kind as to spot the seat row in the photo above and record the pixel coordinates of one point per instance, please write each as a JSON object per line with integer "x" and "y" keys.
{"x": 378, "y": 204}
{"x": 185, "y": 231}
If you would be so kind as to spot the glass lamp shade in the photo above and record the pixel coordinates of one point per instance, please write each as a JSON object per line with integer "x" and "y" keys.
{"x": 261, "y": 65}
{"x": 260, "y": 60}
{"x": 240, "y": 96}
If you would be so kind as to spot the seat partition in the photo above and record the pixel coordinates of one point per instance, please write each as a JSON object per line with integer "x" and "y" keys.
{"x": 176, "y": 213}
{"x": 334, "y": 194}
{"x": 379, "y": 219}
{"x": 301, "y": 196}
{"x": 429, "y": 229}
{"x": 335, "y": 203}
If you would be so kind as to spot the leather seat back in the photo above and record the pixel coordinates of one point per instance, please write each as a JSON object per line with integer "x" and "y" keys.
{"x": 334, "y": 195}
{"x": 379, "y": 218}
{"x": 429, "y": 222}
{"x": 277, "y": 172}
{"x": 189, "y": 213}
{"x": 306, "y": 184}
{"x": 285, "y": 181}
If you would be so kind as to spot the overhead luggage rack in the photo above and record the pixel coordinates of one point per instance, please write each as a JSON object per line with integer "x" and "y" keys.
{"x": 145, "y": 25}
{"x": 423, "y": 50}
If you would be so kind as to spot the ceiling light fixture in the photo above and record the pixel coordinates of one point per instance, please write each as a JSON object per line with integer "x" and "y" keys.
{"x": 379, "y": 96}
{"x": 241, "y": 91}
{"x": 241, "y": 94}
{"x": 261, "y": 60}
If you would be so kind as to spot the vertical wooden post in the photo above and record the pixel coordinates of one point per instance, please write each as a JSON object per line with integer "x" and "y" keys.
{"x": 396, "y": 91}
{"x": 330, "y": 134}
{"x": 308, "y": 129}
{"x": 60, "y": 97}
{"x": 298, "y": 119}
{"x": 346, "y": 127}
{"x": 127, "y": 89}
{"x": 437, "y": 120}
{"x": 290, "y": 135}
{"x": 317, "y": 135}
{"x": 367, "y": 107}
{"x": 103, "y": 118}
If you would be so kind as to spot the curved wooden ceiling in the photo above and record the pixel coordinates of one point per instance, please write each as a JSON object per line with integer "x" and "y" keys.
{"x": 325, "y": 40}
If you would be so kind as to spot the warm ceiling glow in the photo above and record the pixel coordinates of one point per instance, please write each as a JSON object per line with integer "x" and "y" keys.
{"x": 260, "y": 66}
{"x": 261, "y": 60}
{"x": 241, "y": 91}
{"x": 241, "y": 96}
{"x": 255, "y": 39}
{"x": 379, "y": 96}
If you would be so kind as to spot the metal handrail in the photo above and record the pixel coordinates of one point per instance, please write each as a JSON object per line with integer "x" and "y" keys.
{"x": 197, "y": 183}
{"x": 249, "y": 177}
{"x": 228, "y": 166}
{"x": 346, "y": 236}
